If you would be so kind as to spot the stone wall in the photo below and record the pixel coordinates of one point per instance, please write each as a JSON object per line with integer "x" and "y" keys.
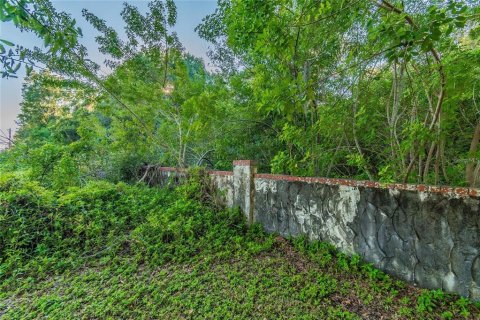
{"x": 224, "y": 182}
{"x": 427, "y": 235}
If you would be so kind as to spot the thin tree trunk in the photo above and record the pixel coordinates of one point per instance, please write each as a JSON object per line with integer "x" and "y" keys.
{"x": 426, "y": 170}
{"x": 476, "y": 175}
{"x": 420, "y": 168}
{"x": 441, "y": 72}
{"x": 437, "y": 165}
{"x": 444, "y": 168}
{"x": 355, "y": 138}
{"x": 470, "y": 176}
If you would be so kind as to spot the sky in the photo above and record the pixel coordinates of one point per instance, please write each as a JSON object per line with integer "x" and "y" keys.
{"x": 189, "y": 15}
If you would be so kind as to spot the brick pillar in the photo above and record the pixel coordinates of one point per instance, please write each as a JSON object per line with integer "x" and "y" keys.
{"x": 244, "y": 187}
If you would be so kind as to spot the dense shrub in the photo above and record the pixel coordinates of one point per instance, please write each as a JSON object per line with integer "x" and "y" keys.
{"x": 42, "y": 228}
{"x": 128, "y": 251}
{"x": 37, "y": 222}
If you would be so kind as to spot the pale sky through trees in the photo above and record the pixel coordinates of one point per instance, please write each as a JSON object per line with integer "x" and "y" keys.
{"x": 190, "y": 14}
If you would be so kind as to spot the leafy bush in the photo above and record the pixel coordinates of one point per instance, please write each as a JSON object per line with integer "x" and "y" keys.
{"x": 42, "y": 228}
{"x": 100, "y": 251}
{"x": 192, "y": 222}
{"x": 323, "y": 287}
{"x": 37, "y": 222}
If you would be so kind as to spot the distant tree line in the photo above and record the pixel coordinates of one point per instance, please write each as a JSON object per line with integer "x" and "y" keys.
{"x": 379, "y": 90}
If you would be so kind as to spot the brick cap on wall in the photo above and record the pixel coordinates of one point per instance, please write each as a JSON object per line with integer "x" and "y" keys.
{"x": 460, "y": 192}
{"x": 452, "y": 191}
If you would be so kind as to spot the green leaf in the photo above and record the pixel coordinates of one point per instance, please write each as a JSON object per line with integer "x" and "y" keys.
{"x": 8, "y": 43}
{"x": 28, "y": 69}
{"x": 436, "y": 33}
{"x": 17, "y": 67}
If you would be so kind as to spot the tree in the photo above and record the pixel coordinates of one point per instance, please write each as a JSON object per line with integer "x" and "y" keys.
{"x": 366, "y": 100}
{"x": 57, "y": 29}
{"x": 391, "y": 95}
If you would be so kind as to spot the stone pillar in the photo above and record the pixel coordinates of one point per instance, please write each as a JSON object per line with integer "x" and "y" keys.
{"x": 244, "y": 187}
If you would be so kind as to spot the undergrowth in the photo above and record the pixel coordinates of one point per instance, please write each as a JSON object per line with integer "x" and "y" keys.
{"x": 110, "y": 251}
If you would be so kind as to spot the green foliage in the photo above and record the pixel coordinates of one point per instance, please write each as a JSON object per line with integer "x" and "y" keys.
{"x": 189, "y": 224}
{"x": 314, "y": 292}
{"x": 390, "y": 95}
{"x": 320, "y": 252}
{"x": 106, "y": 219}
{"x": 144, "y": 32}
{"x": 362, "y": 101}
{"x": 129, "y": 251}
{"x": 57, "y": 30}
{"x": 428, "y": 300}
{"x": 41, "y": 224}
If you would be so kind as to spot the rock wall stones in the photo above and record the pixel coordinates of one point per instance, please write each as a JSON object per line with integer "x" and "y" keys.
{"x": 430, "y": 239}
{"x": 318, "y": 211}
{"x": 426, "y": 235}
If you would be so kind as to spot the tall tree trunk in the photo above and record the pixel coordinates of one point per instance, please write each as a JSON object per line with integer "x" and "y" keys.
{"x": 476, "y": 175}
{"x": 442, "y": 154}
{"x": 355, "y": 138}
{"x": 426, "y": 170}
{"x": 437, "y": 166}
{"x": 470, "y": 169}
{"x": 386, "y": 5}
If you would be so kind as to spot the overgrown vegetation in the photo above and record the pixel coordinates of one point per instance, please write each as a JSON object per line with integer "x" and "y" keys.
{"x": 46, "y": 229}
{"x": 120, "y": 251}
{"x": 361, "y": 89}
{"x": 390, "y": 95}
